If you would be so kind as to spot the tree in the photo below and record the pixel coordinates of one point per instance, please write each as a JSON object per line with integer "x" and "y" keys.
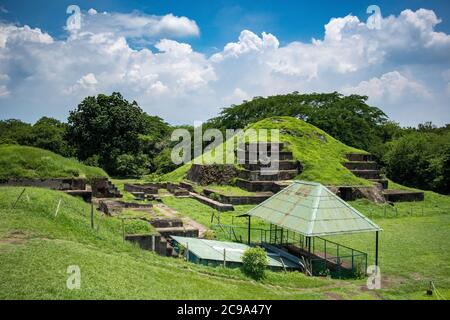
{"x": 106, "y": 126}
{"x": 420, "y": 159}
{"x": 14, "y": 131}
{"x": 347, "y": 118}
{"x": 116, "y": 134}
{"x": 48, "y": 133}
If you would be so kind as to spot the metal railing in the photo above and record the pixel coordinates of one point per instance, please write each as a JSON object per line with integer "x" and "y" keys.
{"x": 325, "y": 257}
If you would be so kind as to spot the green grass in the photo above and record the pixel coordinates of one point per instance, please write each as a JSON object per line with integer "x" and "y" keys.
{"x": 229, "y": 190}
{"x": 321, "y": 155}
{"x": 36, "y": 247}
{"x": 29, "y": 162}
{"x": 414, "y": 249}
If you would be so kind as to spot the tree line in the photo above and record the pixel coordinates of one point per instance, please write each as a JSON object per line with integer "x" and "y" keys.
{"x": 117, "y": 135}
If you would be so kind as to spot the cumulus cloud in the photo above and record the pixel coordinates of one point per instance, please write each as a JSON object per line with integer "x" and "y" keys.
{"x": 400, "y": 66}
{"x": 390, "y": 87}
{"x": 138, "y": 25}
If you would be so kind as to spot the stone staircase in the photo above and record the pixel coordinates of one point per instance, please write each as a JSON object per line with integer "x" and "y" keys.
{"x": 364, "y": 166}
{"x": 257, "y": 175}
{"x": 104, "y": 188}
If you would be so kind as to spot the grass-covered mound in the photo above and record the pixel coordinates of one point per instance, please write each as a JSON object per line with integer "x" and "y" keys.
{"x": 29, "y": 162}
{"x": 321, "y": 155}
{"x": 37, "y": 246}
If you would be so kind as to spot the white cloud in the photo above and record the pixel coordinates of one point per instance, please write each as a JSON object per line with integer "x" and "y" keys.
{"x": 88, "y": 80}
{"x": 138, "y": 25}
{"x": 399, "y": 66}
{"x": 237, "y": 96}
{"x": 391, "y": 86}
{"x": 3, "y": 91}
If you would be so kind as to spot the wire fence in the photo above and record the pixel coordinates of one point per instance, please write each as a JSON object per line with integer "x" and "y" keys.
{"x": 405, "y": 209}
{"x": 325, "y": 257}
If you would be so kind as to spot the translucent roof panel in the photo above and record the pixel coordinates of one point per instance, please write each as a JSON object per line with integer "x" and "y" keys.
{"x": 213, "y": 250}
{"x": 311, "y": 209}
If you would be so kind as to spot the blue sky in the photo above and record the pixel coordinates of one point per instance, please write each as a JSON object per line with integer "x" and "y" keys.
{"x": 221, "y": 20}
{"x": 193, "y": 62}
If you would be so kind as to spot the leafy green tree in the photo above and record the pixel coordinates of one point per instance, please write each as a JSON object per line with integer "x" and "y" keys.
{"x": 127, "y": 165}
{"x": 107, "y": 126}
{"x": 48, "y": 133}
{"x": 347, "y": 118}
{"x": 420, "y": 159}
{"x": 116, "y": 134}
{"x": 14, "y": 131}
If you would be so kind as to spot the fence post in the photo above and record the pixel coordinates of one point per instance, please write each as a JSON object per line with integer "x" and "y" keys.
{"x": 57, "y": 207}
{"x": 353, "y": 261}
{"x": 224, "y": 257}
{"x": 18, "y": 198}
{"x": 123, "y": 230}
{"x": 92, "y": 215}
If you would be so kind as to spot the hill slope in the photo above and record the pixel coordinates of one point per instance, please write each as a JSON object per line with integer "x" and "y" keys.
{"x": 37, "y": 246}
{"x": 29, "y": 162}
{"x": 321, "y": 155}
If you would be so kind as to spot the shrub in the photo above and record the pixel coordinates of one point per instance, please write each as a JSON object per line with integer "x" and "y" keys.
{"x": 209, "y": 235}
{"x": 254, "y": 263}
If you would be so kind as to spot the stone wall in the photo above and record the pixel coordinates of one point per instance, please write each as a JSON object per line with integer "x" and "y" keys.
{"x": 103, "y": 188}
{"x": 350, "y": 193}
{"x": 146, "y": 241}
{"x": 212, "y": 174}
{"x": 239, "y": 200}
{"x": 146, "y": 189}
{"x": 113, "y": 207}
{"x": 52, "y": 183}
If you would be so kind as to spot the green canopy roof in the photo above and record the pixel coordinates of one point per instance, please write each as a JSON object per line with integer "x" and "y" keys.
{"x": 213, "y": 250}
{"x": 312, "y": 210}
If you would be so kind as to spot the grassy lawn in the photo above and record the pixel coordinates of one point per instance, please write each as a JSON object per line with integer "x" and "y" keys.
{"x": 413, "y": 249}
{"x": 29, "y": 162}
{"x": 37, "y": 245}
{"x": 229, "y": 190}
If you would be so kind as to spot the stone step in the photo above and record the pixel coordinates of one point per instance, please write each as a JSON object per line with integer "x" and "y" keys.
{"x": 212, "y": 203}
{"x": 359, "y": 157}
{"x": 367, "y": 174}
{"x": 282, "y": 165}
{"x": 262, "y": 146}
{"x": 403, "y": 195}
{"x": 187, "y": 231}
{"x": 255, "y": 198}
{"x": 255, "y": 186}
{"x": 384, "y": 182}
{"x": 255, "y": 156}
{"x": 268, "y": 176}
{"x": 361, "y": 165}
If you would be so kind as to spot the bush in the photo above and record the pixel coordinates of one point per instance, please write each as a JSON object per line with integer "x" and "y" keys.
{"x": 128, "y": 165}
{"x": 254, "y": 263}
{"x": 420, "y": 160}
